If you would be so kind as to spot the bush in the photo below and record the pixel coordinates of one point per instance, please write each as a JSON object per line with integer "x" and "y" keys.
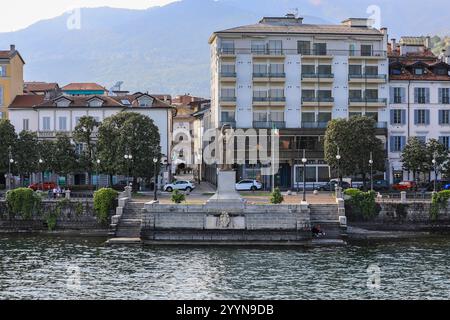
{"x": 361, "y": 205}
{"x": 178, "y": 197}
{"x": 438, "y": 202}
{"x": 104, "y": 201}
{"x": 276, "y": 197}
{"x": 23, "y": 201}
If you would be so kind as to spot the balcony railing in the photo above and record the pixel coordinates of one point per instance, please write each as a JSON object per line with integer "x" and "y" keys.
{"x": 368, "y": 100}
{"x": 317, "y": 99}
{"x": 317, "y": 75}
{"x": 314, "y": 125}
{"x": 228, "y": 74}
{"x": 308, "y": 52}
{"x": 269, "y": 99}
{"x": 269, "y": 75}
{"x": 228, "y": 99}
{"x": 269, "y": 124}
{"x": 230, "y": 123}
{"x": 367, "y": 76}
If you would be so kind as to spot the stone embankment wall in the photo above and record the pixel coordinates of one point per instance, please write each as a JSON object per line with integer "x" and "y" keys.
{"x": 73, "y": 216}
{"x": 251, "y": 223}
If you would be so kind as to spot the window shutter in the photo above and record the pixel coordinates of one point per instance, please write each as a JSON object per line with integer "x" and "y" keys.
{"x": 441, "y": 140}
{"x": 403, "y": 113}
{"x": 392, "y": 117}
{"x": 441, "y": 116}
{"x": 391, "y": 144}
{"x": 403, "y": 94}
{"x": 416, "y": 95}
{"x": 427, "y": 117}
{"x": 441, "y": 91}
{"x": 402, "y": 143}
{"x": 427, "y": 95}
{"x": 416, "y": 116}
{"x": 392, "y": 95}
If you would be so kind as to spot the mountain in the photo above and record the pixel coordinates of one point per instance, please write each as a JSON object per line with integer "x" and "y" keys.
{"x": 165, "y": 49}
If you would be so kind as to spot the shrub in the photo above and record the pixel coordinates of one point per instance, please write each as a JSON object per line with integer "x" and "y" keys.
{"x": 178, "y": 197}
{"x": 352, "y": 192}
{"x": 276, "y": 197}
{"x": 361, "y": 205}
{"x": 438, "y": 202}
{"x": 104, "y": 201}
{"x": 23, "y": 201}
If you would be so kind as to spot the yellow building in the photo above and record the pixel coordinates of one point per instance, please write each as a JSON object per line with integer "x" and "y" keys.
{"x": 11, "y": 78}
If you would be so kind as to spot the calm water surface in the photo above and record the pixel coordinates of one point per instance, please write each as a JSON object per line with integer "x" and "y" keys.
{"x": 56, "y": 268}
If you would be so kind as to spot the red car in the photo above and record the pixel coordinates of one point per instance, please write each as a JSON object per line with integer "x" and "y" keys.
{"x": 43, "y": 186}
{"x": 404, "y": 186}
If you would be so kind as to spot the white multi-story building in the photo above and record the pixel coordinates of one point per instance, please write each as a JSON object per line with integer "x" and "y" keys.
{"x": 419, "y": 99}
{"x": 48, "y": 117}
{"x": 281, "y": 73}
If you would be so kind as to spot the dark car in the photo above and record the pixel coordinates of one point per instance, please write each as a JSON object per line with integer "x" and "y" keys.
{"x": 378, "y": 185}
{"x": 331, "y": 186}
{"x": 440, "y": 185}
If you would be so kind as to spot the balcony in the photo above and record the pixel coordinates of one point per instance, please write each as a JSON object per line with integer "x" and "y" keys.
{"x": 228, "y": 101}
{"x": 367, "y": 78}
{"x": 266, "y": 101}
{"x": 228, "y": 76}
{"x": 228, "y": 123}
{"x": 314, "y": 125}
{"x": 269, "y": 124}
{"x": 367, "y": 102}
{"x": 53, "y": 134}
{"x": 317, "y": 101}
{"x": 266, "y": 77}
{"x": 318, "y": 77}
{"x": 268, "y": 53}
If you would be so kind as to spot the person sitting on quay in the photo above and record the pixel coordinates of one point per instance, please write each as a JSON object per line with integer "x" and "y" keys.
{"x": 317, "y": 231}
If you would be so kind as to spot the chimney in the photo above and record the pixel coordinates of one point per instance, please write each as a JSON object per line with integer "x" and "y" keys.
{"x": 428, "y": 42}
{"x": 12, "y": 48}
{"x": 384, "y": 30}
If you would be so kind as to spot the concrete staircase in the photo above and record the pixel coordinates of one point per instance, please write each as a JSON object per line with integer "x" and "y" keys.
{"x": 129, "y": 225}
{"x": 324, "y": 213}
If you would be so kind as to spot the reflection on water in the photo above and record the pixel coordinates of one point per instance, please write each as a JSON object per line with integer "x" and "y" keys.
{"x": 50, "y": 268}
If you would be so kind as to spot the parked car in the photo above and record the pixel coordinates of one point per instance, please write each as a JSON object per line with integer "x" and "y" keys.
{"x": 440, "y": 185}
{"x": 331, "y": 186}
{"x": 179, "y": 185}
{"x": 378, "y": 185}
{"x": 404, "y": 186}
{"x": 248, "y": 185}
{"x": 43, "y": 186}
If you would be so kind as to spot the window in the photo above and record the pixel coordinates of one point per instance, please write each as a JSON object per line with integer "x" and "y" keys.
{"x": 277, "y": 116}
{"x": 324, "y": 95}
{"x": 276, "y": 47}
{"x": 418, "y": 71}
{"x": 26, "y": 124}
{"x": 63, "y": 103}
{"x": 373, "y": 115}
{"x": 304, "y": 47}
{"x": 2, "y": 71}
{"x": 228, "y": 69}
{"x": 398, "y": 117}
{"x": 62, "y": 123}
{"x": 46, "y": 123}
{"x": 308, "y": 95}
{"x": 444, "y": 117}
{"x": 228, "y": 46}
{"x": 422, "y": 117}
{"x": 260, "y": 95}
{"x": 422, "y": 139}
{"x": 355, "y": 95}
{"x": 276, "y": 94}
{"x": 320, "y": 49}
{"x": 444, "y": 95}
{"x": 372, "y": 94}
{"x": 324, "y": 117}
{"x": 352, "y": 49}
{"x": 355, "y": 70}
{"x": 324, "y": 69}
{"x": 366, "y": 50}
{"x": 371, "y": 70}
{"x": 145, "y": 102}
{"x": 1, "y": 115}
{"x": 308, "y": 69}
{"x": 445, "y": 141}
{"x": 354, "y": 114}
{"x": 95, "y": 103}
{"x": 228, "y": 93}
{"x": 441, "y": 71}
{"x": 309, "y": 143}
{"x": 227, "y": 116}
{"x": 277, "y": 69}
{"x": 260, "y": 116}
{"x": 422, "y": 95}
{"x": 396, "y": 71}
{"x": 258, "y": 47}
{"x": 308, "y": 117}
{"x": 260, "y": 69}
{"x": 397, "y": 143}
{"x": 398, "y": 95}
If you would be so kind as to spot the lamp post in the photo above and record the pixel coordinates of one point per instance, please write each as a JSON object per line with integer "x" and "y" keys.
{"x": 128, "y": 159}
{"x": 435, "y": 173}
{"x": 304, "y": 161}
{"x": 98, "y": 177}
{"x": 10, "y": 162}
{"x": 371, "y": 171}
{"x": 41, "y": 174}
{"x": 155, "y": 184}
{"x": 338, "y": 158}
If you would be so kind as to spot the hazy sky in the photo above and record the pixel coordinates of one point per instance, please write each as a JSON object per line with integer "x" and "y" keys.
{"x": 19, "y": 14}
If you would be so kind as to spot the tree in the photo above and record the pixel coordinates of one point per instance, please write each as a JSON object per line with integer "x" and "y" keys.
{"x": 414, "y": 157}
{"x": 26, "y": 153}
{"x": 84, "y": 134}
{"x": 8, "y": 139}
{"x": 65, "y": 158}
{"x": 47, "y": 151}
{"x": 128, "y": 133}
{"x": 356, "y": 140}
{"x": 437, "y": 151}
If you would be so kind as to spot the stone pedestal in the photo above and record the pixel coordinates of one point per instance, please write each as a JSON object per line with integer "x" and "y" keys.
{"x": 403, "y": 197}
{"x": 226, "y": 194}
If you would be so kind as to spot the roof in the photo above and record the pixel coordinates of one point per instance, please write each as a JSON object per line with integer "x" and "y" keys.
{"x": 413, "y": 41}
{"x": 9, "y": 54}
{"x": 83, "y": 86}
{"x": 39, "y": 101}
{"x": 300, "y": 29}
{"x": 40, "y": 86}
{"x": 408, "y": 63}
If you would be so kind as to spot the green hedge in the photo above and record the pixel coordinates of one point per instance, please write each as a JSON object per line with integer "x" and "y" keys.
{"x": 104, "y": 202}
{"x": 24, "y": 202}
{"x": 361, "y": 205}
{"x": 438, "y": 202}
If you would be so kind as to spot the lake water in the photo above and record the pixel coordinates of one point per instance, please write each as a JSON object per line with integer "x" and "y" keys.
{"x": 67, "y": 268}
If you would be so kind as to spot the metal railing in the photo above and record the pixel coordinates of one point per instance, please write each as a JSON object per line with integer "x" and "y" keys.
{"x": 269, "y": 75}
{"x": 269, "y": 124}
{"x": 231, "y": 123}
{"x": 368, "y": 100}
{"x": 228, "y": 99}
{"x": 317, "y": 75}
{"x": 317, "y": 99}
{"x": 314, "y": 125}
{"x": 308, "y": 52}
{"x": 269, "y": 99}
{"x": 367, "y": 76}
{"x": 228, "y": 74}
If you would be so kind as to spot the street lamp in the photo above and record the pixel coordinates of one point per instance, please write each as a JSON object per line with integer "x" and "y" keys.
{"x": 304, "y": 161}
{"x": 155, "y": 184}
{"x": 434, "y": 161}
{"x": 128, "y": 158}
{"x": 371, "y": 171}
{"x": 338, "y": 158}
{"x": 98, "y": 177}
{"x": 10, "y": 162}
{"x": 41, "y": 174}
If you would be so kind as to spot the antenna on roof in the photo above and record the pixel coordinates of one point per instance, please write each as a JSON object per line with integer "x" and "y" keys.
{"x": 294, "y": 11}
{"x": 116, "y": 88}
